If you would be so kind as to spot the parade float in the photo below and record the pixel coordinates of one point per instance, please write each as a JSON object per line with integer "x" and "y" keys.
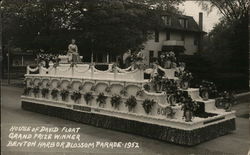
{"x": 161, "y": 107}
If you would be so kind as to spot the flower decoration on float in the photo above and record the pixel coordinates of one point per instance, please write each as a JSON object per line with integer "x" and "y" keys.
{"x": 225, "y": 101}
{"x": 146, "y": 87}
{"x": 101, "y": 99}
{"x": 36, "y": 90}
{"x": 131, "y": 103}
{"x": 88, "y": 97}
{"x": 76, "y": 95}
{"x": 208, "y": 90}
{"x": 189, "y": 107}
{"x": 64, "y": 94}
{"x": 27, "y": 91}
{"x": 54, "y": 93}
{"x": 116, "y": 100}
{"x": 45, "y": 92}
{"x": 147, "y": 105}
{"x": 139, "y": 93}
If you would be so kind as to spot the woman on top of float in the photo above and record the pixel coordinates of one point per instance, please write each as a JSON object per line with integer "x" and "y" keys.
{"x": 73, "y": 52}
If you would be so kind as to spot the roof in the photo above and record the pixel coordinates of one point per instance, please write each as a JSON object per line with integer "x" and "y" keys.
{"x": 175, "y": 24}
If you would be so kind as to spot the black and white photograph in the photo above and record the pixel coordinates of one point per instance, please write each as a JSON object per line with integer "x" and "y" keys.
{"x": 136, "y": 77}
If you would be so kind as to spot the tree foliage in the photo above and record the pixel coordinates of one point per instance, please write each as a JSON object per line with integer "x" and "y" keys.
{"x": 231, "y": 9}
{"x": 112, "y": 26}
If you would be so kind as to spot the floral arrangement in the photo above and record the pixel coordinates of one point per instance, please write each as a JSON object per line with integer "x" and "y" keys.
{"x": 76, "y": 96}
{"x": 189, "y": 107}
{"x": 88, "y": 97}
{"x": 27, "y": 91}
{"x": 225, "y": 101}
{"x": 180, "y": 96}
{"x": 146, "y": 87}
{"x": 157, "y": 82}
{"x": 101, "y": 99}
{"x": 54, "y": 93}
{"x": 64, "y": 94}
{"x": 124, "y": 92}
{"x": 185, "y": 76}
{"x": 209, "y": 88}
{"x": 169, "y": 86}
{"x": 139, "y": 93}
{"x": 108, "y": 89}
{"x": 44, "y": 92}
{"x": 47, "y": 58}
{"x": 131, "y": 103}
{"x": 147, "y": 105}
{"x": 116, "y": 100}
{"x": 36, "y": 90}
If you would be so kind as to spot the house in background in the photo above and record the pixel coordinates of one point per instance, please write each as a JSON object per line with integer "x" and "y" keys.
{"x": 181, "y": 34}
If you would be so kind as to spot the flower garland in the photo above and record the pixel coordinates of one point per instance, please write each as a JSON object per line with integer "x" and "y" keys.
{"x": 116, "y": 100}
{"x": 131, "y": 103}
{"x": 147, "y": 105}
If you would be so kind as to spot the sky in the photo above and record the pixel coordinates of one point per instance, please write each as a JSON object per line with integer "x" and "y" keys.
{"x": 191, "y": 8}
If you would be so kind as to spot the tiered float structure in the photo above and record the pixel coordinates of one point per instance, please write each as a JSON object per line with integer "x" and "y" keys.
{"x": 118, "y": 99}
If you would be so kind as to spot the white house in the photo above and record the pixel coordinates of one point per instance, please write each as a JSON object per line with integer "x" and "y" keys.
{"x": 180, "y": 34}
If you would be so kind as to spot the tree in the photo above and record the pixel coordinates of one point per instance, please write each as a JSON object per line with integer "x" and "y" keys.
{"x": 231, "y": 9}
{"x": 227, "y": 43}
{"x": 102, "y": 26}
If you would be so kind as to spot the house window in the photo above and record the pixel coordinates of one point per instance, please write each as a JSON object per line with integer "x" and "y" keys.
{"x": 167, "y": 35}
{"x": 156, "y": 36}
{"x": 183, "y": 22}
{"x": 151, "y": 56}
{"x": 166, "y": 20}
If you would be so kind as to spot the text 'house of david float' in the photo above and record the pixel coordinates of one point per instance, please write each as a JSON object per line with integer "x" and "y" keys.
{"x": 162, "y": 107}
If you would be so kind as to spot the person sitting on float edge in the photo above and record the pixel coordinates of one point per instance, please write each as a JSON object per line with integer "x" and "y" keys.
{"x": 73, "y": 52}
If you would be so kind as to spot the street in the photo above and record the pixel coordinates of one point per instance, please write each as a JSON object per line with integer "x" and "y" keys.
{"x": 236, "y": 142}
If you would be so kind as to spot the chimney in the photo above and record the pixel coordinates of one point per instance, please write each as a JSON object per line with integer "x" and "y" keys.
{"x": 201, "y": 21}
{"x": 201, "y": 34}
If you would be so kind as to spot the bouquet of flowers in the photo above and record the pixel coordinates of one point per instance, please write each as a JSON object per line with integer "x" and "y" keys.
{"x": 131, "y": 103}
{"x": 147, "y": 105}
{"x": 116, "y": 100}
{"x": 209, "y": 88}
{"x": 101, "y": 99}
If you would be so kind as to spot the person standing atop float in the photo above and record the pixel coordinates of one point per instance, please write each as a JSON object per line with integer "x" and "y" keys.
{"x": 73, "y": 52}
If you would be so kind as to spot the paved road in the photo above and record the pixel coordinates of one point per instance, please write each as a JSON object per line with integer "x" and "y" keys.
{"x": 11, "y": 114}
